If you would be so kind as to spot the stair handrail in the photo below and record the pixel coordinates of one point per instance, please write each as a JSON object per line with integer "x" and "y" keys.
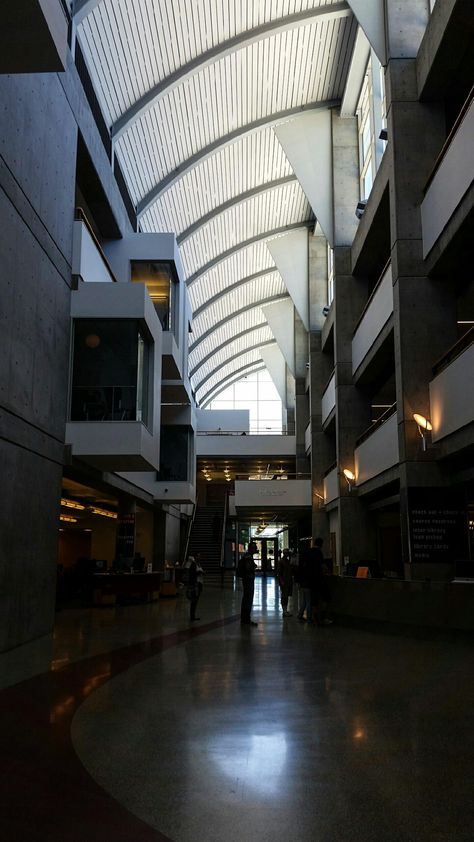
{"x": 224, "y": 529}
{"x": 190, "y": 526}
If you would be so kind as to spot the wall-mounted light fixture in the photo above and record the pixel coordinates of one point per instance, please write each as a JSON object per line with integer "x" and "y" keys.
{"x": 359, "y": 211}
{"x": 424, "y": 427}
{"x": 350, "y": 478}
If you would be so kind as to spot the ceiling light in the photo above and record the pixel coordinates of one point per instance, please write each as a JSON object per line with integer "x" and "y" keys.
{"x": 67, "y": 519}
{"x": 71, "y": 504}
{"x": 104, "y": 513}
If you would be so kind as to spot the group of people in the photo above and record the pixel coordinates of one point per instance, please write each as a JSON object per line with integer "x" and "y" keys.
{"x": 305, "y": 576}
{"x": 302, "y": 575}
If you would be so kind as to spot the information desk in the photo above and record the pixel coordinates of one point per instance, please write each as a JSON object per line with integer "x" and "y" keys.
{"x": 112, "y": 588}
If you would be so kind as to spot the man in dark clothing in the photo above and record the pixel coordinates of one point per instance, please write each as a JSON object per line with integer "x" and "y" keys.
{"x": 246, "y": 571}
{"x": 320, "y": 595}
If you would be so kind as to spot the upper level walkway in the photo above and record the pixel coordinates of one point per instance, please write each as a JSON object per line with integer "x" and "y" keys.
{"x": 135, "y": 725}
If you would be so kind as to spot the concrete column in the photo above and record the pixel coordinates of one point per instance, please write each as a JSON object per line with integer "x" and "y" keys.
{"x": 424, "y": 309}
{"x": 355, "y": 539}
{"x": 301, "y": 398}
{"x": 320, "y": 368}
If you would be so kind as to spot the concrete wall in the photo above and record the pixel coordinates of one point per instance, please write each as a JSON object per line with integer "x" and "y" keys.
{"x": 37, "y": 174}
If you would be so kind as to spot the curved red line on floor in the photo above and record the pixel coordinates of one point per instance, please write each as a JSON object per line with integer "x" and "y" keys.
{"x": 47, "y": 793}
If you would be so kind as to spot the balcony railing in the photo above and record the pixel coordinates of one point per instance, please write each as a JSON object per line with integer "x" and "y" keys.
{"x": 450, "y": 178}
{"x": 453, "y": 352}
{"x": 95, "y": 248}
{"x": 374, "y": 317}
{"x": 376, "y": 424}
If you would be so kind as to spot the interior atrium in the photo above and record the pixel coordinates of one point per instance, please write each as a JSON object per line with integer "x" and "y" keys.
{"x": 237, "y": 308}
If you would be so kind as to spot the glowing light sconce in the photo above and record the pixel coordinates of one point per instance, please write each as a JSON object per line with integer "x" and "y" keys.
{"x": 424, "y": 427}
{"x": 350, "y": 478}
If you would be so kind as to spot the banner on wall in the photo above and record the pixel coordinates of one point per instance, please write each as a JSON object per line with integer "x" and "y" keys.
{"x": 126, "y": 536}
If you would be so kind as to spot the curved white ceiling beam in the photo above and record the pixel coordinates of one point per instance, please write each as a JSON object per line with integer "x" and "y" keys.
{"x": 370, "y": 15}
{"x": 226, "y": 290}
{"x": 281, "y": 321}
{"x": 249, "y": 128}
{"x": 276, "y": 367}
{"x": 225, "y": 344}
{"x": 231, "y": 359}
{"x": 245, "y": 244}
{"x": 261, "y": 303}
{"x": 307, "y": 143}
{"x": 220, "y": 51}
{"x": 229, "y": 380}
{"x": 236, "y": 200}
{"x": 290, "y": 254}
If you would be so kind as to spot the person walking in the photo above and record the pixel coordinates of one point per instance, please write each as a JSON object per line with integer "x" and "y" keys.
{"x": 246, "y": 570}
{"x": 320, "y": 593}
{"x": 285, "y": 580}
{"x": 195, "y": 585}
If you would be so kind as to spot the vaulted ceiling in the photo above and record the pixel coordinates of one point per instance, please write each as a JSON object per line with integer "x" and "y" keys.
{"x": 192, "y": 92}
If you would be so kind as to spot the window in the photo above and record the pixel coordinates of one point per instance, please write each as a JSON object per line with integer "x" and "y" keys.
{"x": 160, "y": 280}
{"x": 365, "y": 119}
{"x": 257, "y": 393}
{"x": 174, "y": 454}
{"x": 110, "y": 380}
{"x": 330, "y": 275}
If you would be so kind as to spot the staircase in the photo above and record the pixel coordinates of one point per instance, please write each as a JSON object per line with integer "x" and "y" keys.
{"x": 206, "y": 537}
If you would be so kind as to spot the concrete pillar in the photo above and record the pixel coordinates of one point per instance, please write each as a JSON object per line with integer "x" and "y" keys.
{"x": 424, "y": 309}
{"x": 321, "y": 366}
{"x": 301, "y": 398}
{"x": 355, "y": 538}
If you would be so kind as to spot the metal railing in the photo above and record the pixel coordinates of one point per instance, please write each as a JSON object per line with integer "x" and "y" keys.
{"x": 265, "y": 431}
{"x": 80, "y": 216}
{"x": 455, "y": 351}
{"x": 376, "y": 424}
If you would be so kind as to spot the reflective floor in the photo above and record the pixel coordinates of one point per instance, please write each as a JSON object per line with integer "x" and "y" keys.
{"x": 136, "y": 725}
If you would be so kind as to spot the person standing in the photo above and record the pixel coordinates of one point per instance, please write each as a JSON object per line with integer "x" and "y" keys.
{"x": 246, "y": 570}
{"x": 305, "y": 581}
{"x": 320, "y": 593}
{"x": 285, "y": 580}
{"x": 195, "y": 585}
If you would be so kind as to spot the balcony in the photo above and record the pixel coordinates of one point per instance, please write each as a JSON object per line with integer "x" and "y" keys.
{"x": 331, "y": 485}
{"x": 170, "y": 491}
{"x": 115, "y": 384}
{"x": 377, "y": 448}
{"x": 452, "y": 389}
{"x": 272, "y": 494}
{"x": 88, "y": 260}
{"x": 328, "y": 401}
{"x": 376, "y": 314}
{"x": 451, "y": 178}
{"x": 234, "y": 443}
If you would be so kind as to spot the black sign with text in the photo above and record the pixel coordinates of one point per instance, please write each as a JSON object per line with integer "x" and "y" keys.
{"x": 438, "y": 525}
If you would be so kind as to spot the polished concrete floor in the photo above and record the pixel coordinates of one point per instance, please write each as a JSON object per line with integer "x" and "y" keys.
{"x": 133, "y": 724}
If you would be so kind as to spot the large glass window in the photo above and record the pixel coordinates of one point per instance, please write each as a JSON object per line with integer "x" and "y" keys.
{"x": 330, "y": 275}
{"x": 365, "y": 119}
{"x": 110, "y": 380}
{"x": 159, "y": 277}
{"x": 257, "y": 393}
{"x": 174, "y": 454}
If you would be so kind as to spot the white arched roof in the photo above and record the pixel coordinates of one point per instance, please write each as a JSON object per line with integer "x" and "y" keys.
{"x": 192, "y": 93}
